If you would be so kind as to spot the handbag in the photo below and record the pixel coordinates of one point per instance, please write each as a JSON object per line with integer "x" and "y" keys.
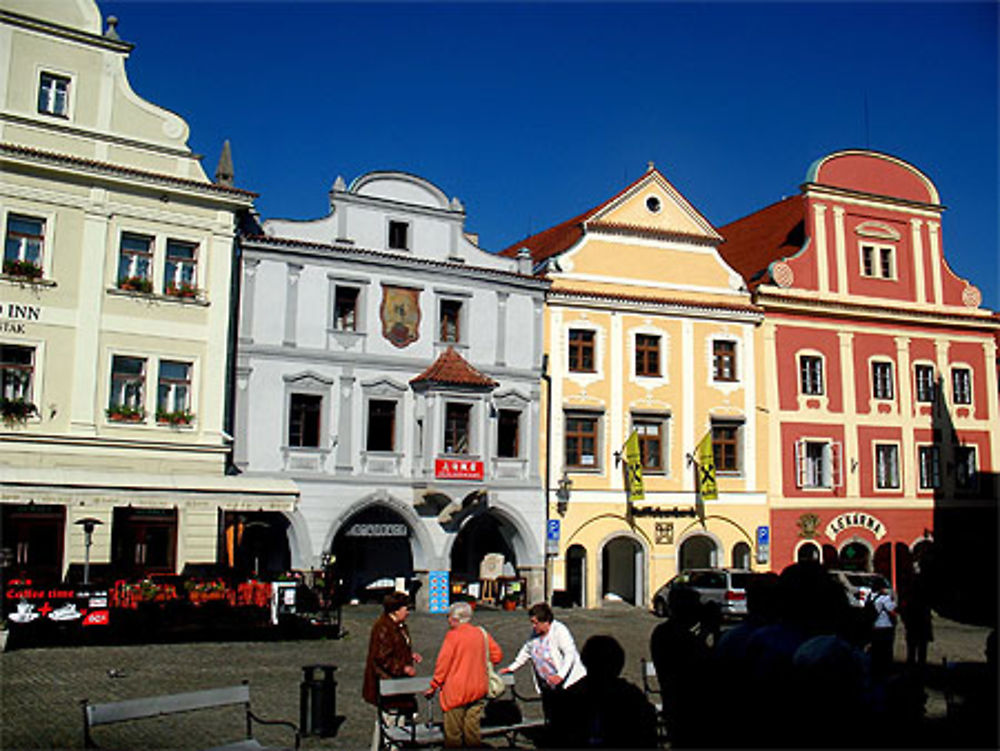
{"x": 494, "y": 683}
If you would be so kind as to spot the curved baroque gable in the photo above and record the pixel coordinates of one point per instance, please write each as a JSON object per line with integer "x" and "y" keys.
{"x": 872, "y": 172}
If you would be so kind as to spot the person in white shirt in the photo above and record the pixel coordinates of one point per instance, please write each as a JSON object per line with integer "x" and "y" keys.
{"x": 553, "y": 655}
{"x": 883, "y": 630}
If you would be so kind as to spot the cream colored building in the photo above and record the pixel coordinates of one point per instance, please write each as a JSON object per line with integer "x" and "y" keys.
{"x": 114, "y": 312}
{"x": 647, "y": 328}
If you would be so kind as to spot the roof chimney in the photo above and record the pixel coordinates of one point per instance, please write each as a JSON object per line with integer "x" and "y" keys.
{"x": 524, "y": 261}
{"x": 224, "y": 172}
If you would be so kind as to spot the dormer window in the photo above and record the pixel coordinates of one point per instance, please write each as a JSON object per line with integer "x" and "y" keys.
{"x": 53, "y": 95}
{"x": 399, "y": 235}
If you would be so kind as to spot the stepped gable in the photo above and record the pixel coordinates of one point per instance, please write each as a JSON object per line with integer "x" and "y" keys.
{"x": 452, "y": 369}
{"x": 756, "y": 241}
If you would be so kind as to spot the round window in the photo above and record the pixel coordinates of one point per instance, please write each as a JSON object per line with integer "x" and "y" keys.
{"x": 653, "y": 204}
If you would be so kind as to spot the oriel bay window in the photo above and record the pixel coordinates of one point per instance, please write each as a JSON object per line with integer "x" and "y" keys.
{"x": 126, "y": 401}
{"x": 180, "y": 278}
{"x": 173, "y": 393}
{"x": 581, "y": 351}
{"x": 456, "y": 428}
{"x": 581, "y": 441}
{"x": 22, "y": 252}
{"x": 508, "y": 433}
{"x": 304, "y": 419}
{"x": 647, "y": 355}
{"x": 135, "y": 263}
{"x": 381, "y": 425}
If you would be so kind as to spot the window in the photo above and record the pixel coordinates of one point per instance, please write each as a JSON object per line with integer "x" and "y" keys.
{"x": 450, "y": 312}
{"x": 929, "y": 459}
{"x": 17, "y": 368}
{"x": 381, "y": 425}
{"x": 961, "y": 385}
{"x": 818, "y": 464}
{"x": 53, "y": 95}
{"x": 135, "y": 263}
{"x": 647, "y": 355}
{"x": 581, "y": 441}
{"x": 399, "y": 235}
{"x": 811, "y": 371}
{"x": 128, "y": 377}
{"x": 924, "y": 375}
{"x": 22, "y": 253}
{"x": 508, "y": 438}
{"x": 724, "y": 360}
{"x": 173, "y": 391}
{"x": 878, "y": 261}
{"x": 581, "y": 351}
{"x": 965, "y": 466}
{"x": 179, "y": 272}
{"x": 886, "y": 466}
{"x": 345, "y": 308}
{"x": 304, "y": 420}
{"x": 456, "y": 428}
{"x": 882, "y": 385}
{"x": 650, "y": 443}
{"x": 725, "y": 446}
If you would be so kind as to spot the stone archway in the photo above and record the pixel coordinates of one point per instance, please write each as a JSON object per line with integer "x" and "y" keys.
{"x": 371, "y": 552}
{"x": 576, "y": 575}
{"x": 698, "y": 551}
{"x": 622, "y": 569}
{"x": 855, "y": 556}
{"x": 482, "y": 534}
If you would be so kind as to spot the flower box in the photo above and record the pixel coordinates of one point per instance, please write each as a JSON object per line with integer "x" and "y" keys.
{"x": 16, "y": 411}
{"x": 178, "y": 417}
{"x": 135, "y": 284}
{"x": 24, "y": 269}
{"x": 185, "y": 291}
{"x": 120, "y": 413}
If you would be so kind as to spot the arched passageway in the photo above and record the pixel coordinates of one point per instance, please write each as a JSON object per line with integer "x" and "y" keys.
{"x": 482, "y": 534}
{"x": 699, "y": 551}
{"x": 622, "y": 569}
{"x": 576, "y": 575}
{"x": 371, "y": 552}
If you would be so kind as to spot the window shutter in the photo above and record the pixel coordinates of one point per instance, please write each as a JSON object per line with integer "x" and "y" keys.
{"x": 800, "y": 464}
{"x": 837, "y": 464}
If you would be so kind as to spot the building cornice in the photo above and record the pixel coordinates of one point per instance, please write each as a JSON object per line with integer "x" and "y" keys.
{"x": 818, "y": 190}
{"x": 672, "y": 306}
{"x": 598, "y": 228}
{"x": 65, "y": 32}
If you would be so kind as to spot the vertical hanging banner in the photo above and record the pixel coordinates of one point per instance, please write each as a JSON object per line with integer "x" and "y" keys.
{"x": 634, "y": 490}
{"x": 707, "y": 488}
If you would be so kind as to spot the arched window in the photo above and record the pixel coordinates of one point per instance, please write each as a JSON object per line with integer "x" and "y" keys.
{"x": 741, "y": 555}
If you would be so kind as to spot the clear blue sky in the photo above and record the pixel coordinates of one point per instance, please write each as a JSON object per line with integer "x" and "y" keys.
{"x": 532, "y": 113}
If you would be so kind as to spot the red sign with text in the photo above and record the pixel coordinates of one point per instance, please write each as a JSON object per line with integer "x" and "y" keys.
{"x": 458, "y": 469}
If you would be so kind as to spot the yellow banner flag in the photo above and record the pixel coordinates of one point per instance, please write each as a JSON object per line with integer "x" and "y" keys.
{"x": 705, "y": 455}
{"x": 633, "y": 469}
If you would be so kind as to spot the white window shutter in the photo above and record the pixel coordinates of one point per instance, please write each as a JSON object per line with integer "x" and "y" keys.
{"x": 800, "y": 464}
{"x": 837, "y": 462}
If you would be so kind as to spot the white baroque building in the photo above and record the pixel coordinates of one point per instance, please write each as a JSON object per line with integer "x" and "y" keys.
{"x": 391, "y": 368}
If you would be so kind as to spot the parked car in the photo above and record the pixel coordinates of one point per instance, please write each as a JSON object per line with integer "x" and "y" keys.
{"x": 727, "y": 587}
{"x": 858, "y": 585}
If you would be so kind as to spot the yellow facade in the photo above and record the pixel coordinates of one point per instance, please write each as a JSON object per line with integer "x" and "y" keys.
{"x": 645, "y": 265}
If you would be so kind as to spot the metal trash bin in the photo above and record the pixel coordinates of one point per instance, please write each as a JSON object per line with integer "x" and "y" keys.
{"x": 318, "y": 701}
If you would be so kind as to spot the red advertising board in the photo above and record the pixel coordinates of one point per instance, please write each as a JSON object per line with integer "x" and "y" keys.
{"x": 458, "y": 469}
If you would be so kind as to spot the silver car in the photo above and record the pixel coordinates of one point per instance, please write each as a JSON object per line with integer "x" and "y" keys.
{"x": 727, "y": 587}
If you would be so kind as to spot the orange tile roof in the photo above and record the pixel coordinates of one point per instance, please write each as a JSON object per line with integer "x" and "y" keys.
{"x": 756, "y": 241}
{"x": 452, "y": 369}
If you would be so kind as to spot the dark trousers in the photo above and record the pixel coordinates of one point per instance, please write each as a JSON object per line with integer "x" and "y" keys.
{"x": 882, "y": 642}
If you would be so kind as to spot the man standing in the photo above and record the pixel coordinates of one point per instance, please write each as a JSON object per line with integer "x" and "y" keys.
{"x": 883, "y": 630}
{"x": 460, "y": 675}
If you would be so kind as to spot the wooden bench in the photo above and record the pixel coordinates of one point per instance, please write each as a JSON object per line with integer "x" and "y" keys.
{"x": 396, "y": 730}
{"x": 158, "y": 706}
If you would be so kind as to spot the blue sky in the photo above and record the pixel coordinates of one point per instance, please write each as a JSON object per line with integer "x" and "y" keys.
{"x": 532, "y": 113}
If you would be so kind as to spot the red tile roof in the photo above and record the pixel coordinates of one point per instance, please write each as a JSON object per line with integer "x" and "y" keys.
{"x": 451, "y": 368}
{"x": 756, "y": 241}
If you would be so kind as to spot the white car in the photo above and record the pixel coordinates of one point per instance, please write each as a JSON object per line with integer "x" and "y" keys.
{"x": 858, "y": 585}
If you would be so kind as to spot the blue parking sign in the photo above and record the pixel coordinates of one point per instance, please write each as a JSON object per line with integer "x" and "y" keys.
{"x": 763, "y": 535}
{"x": 553, "y": 530}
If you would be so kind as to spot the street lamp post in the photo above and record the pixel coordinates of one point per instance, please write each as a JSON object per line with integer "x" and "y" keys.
{"x": 88, "y": 525}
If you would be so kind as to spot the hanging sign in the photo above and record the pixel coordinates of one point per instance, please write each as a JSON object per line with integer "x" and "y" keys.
{"x": 458, "y": 469}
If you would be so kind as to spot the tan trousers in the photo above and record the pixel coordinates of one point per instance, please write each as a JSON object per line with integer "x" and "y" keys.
{"x": 461, "y": 725}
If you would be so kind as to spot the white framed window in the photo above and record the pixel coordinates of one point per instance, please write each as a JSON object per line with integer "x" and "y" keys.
{"x": 457, "y": 428}
{"x": 886, "y": 466}
{"x": 399, "y": 235}
{"x": 173, "y": 391}
{"x": 180, "y": 276}
{"x": 17, "y": 372}
{"x": 23, "y": 246}
{"x": 811, "y": 375}
{"x": 509, "y": 433}
{"x": 818, "y": 464}
{"x": 724, "y": 360}
{"x": 305, "y": 420}
{"x": 53, "y": 94}
{"x": 965, "y": 467}
{"x": 381, "y": 425}
{"x": 127, "y": 398}
{"x": 450, "y": 314}
{"x": 924, "y": 381}
{"x": 929, "y": 462}
{"x": 878, "y": 261}
{"x": 345, "y": 308}
{"x": 883, "y": 386}
{"x": 647, "y": 355}
{"x": 652, "y": 434}
{"x": 581, "y": 354}
{"x": 135, "y": 262}
{"x": 582, "y": 440}
{"x": 961, "y": 385}
{"x": 727, "y": 446}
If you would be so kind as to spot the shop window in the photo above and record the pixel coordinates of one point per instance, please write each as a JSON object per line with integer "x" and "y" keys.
{"x": 924, "y": 377}
{"x": 929, "y": 459}
{"x": 647, "y": 355}
{"x": 304, "y": 418}
{"x": 726, "y": 437}
{"x": 456, "y": 428}
{"x": 33, "y": 533}
{"x": 23, "y": 244}
{"x": 882, "y": 381}
{"x": 961, "y": 385}
{"x": 581, "y": 351}
{"x": 381, "y": 425}
{"x": 53, "y": 95}
{"x": 651, "y": 441}
{"x": 508, "y": 433}
{"x": 180, "y": 271}
{"x": 345, "y": 308}
{"x": 581, "y": 441}
{"x": 723, "y": 360}
{"x": 886, "y": 466}
{"x": 811, "y": 374}
{"x": 144, "y": 541}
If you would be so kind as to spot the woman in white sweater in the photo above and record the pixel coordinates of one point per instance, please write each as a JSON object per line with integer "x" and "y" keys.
{"x": 553, "y": 656}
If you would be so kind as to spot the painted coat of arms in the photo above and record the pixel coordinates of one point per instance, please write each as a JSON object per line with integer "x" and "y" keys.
{"x": 400, "y": 313}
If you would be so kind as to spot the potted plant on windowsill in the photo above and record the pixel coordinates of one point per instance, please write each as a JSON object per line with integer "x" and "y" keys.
{"x": 16, "y": 411}
{"x": 177, "y": 417}
{"x": 22, "y": 269}
{"x": 135, "y": 284}
{"x": 121, "y": 413}
{"x": 184, "y": 290}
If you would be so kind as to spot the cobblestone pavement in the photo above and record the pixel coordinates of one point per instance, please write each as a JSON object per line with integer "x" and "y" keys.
{"x": 40, "y": 689}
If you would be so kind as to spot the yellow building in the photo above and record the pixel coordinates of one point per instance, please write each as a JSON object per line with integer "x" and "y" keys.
{"x": 114, "y": 314}
{"x": 647, "y": 329}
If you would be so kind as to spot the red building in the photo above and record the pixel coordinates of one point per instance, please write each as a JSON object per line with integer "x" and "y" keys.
{"x": 880, "y": 365}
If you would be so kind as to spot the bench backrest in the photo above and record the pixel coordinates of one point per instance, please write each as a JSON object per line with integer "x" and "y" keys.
{"x": 153, "y": 706}
{"x": 418, "y": 684}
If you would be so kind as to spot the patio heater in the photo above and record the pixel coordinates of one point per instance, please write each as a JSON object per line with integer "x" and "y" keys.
{"x": 88, "y": 525}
